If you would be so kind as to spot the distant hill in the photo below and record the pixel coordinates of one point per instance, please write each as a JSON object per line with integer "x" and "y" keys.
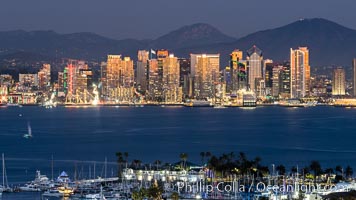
{"x": 191, "y": 36}
{"x": 329, "y": 43}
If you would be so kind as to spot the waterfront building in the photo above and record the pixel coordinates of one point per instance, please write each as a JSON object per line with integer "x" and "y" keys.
{"x": 300, "y": 72}
{"x": 205, "y": 72}
{"x": 119, "y": 80}
{"x": 126, "y": 81}
{"x": 255, "y": 67}
{"x": 285, "y": 83}
{"x": 28, "y": 81}
{"x": 339, "y": 82}
{"x": 60, "y": 84}
{"x": 84, "y": 80}
{"x": 226, "y": 75}
{"x": 237, "y": 72}
{"x": 184, "y": 76}
{"x": 269, "y": 66}
{"x": 103, "y": 80}
{"x": 354, "y": 78}
{"x": 44, "y": 77}
{"x": 172, "y": 92}
{"x": 141, "y": 70}
{"x": 276, "y": 80}
{"x": 154, "y": 86}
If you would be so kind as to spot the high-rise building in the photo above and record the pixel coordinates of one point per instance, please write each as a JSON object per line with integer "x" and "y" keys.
{"x": 269, "y": 66}
{"x": 44, "y": 77}
{"x": 354, "y": 69}
{"x": 284, "y": 78}
{"x": 205, "y": 71}
{"x": 103, "y": 80}
{"x": 184, "y": 76}
{"x": 255, "y": 67}
{"x": 276, "y": 80}
{"x": 69, "y": 78}
{"x": 226, "y": 76}
{"x": 339, "y": 82}
{"x": 113, "y": 68}
{"x": 154, "y": 83}
{"x": 84, "y": 80}
{"x": 60, "y": 82}
{"x": 237, "y": 78}
{"x": 172, "y": 92}
{"x": 119, "y": 79}
{"x": 141, "y": 70}
{"x": 300, "y": 72}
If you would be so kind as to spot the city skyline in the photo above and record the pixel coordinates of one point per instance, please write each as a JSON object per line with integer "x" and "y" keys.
{"x": 78, "y": 16}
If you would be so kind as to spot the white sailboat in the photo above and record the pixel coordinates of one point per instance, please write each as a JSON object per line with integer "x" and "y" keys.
{"x": 29, "y": 131}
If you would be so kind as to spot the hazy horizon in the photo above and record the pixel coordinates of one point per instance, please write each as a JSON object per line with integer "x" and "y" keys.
{"x": 151, "y": 19}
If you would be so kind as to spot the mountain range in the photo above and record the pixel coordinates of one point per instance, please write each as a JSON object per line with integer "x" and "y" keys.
{"x": 329, "y": 43}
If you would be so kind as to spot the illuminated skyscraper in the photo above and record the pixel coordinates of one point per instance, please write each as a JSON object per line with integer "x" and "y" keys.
{"x": 184, "y": 76}
{"x": 339, "y": 82}
{"x": 205, "y": 71}
{"x": 141, "y": 70}
{"x": 300, "y": 72}
{"x": 154, "y": 83}
{"x": 44, "y": 77}
{"x": 237, "y": 72}
{"x": 276, "y": 80}
{"x": 119, "y": 79}
{"x": 60, "y": 83}
{"x": 172, "y": 92}
{"x": 255, "y": 68}
{"x": 268, "y": 75}
{"x": 354, "y": 69}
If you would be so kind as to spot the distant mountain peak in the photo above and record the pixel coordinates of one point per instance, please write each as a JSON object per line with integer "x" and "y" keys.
{"x": 191, "y": 35}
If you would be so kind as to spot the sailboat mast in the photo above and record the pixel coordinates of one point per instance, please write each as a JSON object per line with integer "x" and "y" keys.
{"x": 3, "y": 170}
{"x": 105, "y": 166}
{"x": 52, "y": 167}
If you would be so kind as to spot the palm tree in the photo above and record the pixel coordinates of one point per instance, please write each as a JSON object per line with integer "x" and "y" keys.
{"x": 348, "y": 172}
{"x": 120, "y": 160}
{"x": 338, "y": 169}
{"x": 329, "y": 171}
{"x": 207, "y": 154}
{"x": 316, "y": 168}
{"x": 136, "y": 163}
{"x": 281, "y": 169}
{"x": 167, "y": 166}
{"x": 202, "y": 155}
{"x": 126, "y": 157}
{"x": 157, "y": 163}
{"x": 294, "y": 170}
{"x": 184, "y": 157}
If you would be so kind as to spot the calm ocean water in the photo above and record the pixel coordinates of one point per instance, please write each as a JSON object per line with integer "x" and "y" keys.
{"x": 79, "y": 138}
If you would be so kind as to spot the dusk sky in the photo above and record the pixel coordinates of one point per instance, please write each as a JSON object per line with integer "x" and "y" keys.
{"x": 151, "y": 18}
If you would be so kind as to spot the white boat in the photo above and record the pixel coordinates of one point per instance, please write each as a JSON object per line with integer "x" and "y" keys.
{"x": 52, "y": 193}
{"x": 30, "y": 187}
{"x": 41, "y": 183}
{"x": 219, "y": 106}
{"x": 29, "y": 132}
